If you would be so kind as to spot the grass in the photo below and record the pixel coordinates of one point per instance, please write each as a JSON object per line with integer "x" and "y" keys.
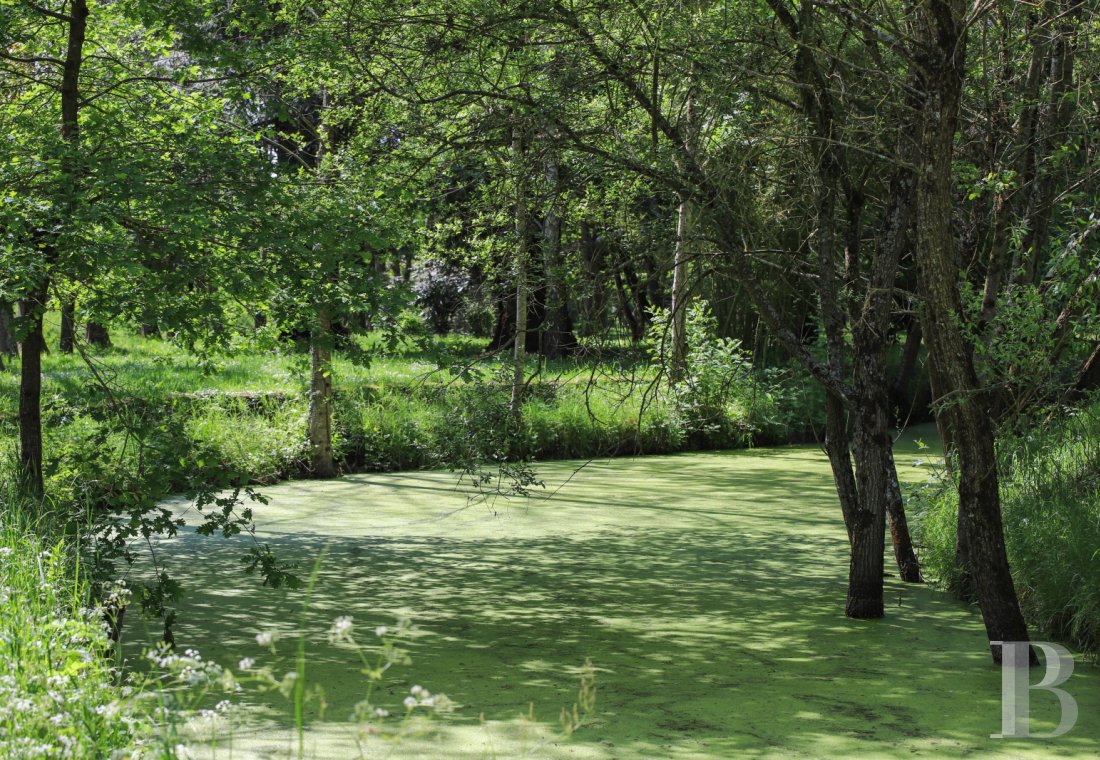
{"x": 1050, "y": 493}
{"x": 166, "y": 411}
{"x": 59, "y": 695}
{"x": 707, "y": 590}
{"x": 154, "y": 367}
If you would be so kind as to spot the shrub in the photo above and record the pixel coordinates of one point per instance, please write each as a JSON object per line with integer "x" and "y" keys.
{"x": 440, "y": 290}
{"x": 262, "y": 442}
{"x": 716, "y": 395}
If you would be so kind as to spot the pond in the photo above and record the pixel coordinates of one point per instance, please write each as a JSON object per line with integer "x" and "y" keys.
{"x": 706, "y": 590}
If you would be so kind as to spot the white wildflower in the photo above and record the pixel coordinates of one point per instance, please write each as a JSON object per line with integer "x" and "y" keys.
{"x": 341, "y": 629}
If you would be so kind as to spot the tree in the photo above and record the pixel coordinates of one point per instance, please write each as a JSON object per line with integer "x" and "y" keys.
{"x": 106, "y": 224}
{"x": 558, "y": 337}
{"x": 864, "y": 503}
{"x": 939, "y": 33}
{"x": 331, "y": 140}
{"x": 65, "y": 73}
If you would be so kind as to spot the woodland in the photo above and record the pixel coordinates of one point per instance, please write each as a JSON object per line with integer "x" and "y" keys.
{"x": 720, "y": 374}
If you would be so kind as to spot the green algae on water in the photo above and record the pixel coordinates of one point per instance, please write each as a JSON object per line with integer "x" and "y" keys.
{"x": 707, "y": 590}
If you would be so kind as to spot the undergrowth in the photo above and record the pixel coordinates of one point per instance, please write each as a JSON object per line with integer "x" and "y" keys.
{"x": 244, "y": 415}
{"x": 59, "y": 696}
{"x": 1050, "y": 500}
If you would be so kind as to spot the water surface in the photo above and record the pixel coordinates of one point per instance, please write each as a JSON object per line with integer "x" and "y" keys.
{"x": 707, "y": 590}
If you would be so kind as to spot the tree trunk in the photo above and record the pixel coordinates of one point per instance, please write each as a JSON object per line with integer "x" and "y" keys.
{"x": 902, "y": 541}
{"x": 866, "y": 513}
{"x": 899, "y": 388}
{"x": 677, "y": 338}
{"x": 558, "y": 339}
{"x": 97, "y": 335}
{"x": 871, "y": 325}
{"x": 1052, "y": 134}
{"x": 871, "y": 427}
{"x": 637, "y": 293}
{"x": 68, "y": 327}
{"x": 322, "y": 461}
{"x": 30, "y": 396}
{"x": 941, "y": 53}
{"x": 840, "y": 459}
{"x": 504, "y": 326}
{"x": 33, "y": 307}
{"x": 519, "y": 353}
{"x": 865, "y": 576}
{"x": 8, "y": 345}
{"x": 1088, "y": 377}
{"x": 685, "y": 218}
{"x": 594, "y": 307}
{"x": 633, "y": 323}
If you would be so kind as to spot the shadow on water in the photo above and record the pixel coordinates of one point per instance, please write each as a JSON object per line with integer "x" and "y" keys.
{"x": 707, "y": 590}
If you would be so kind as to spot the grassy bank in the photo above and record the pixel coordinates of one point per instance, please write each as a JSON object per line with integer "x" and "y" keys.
{"x": 160, "y": 415}
{"x": 1050, "y": 490}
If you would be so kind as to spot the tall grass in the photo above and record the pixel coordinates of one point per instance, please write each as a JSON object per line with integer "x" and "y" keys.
{"x": 58, "y": 692}
{"x": 1050, "y": 480}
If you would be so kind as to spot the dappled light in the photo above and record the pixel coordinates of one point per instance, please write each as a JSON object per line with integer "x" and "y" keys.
{"x": 504, "y": 304}
{"x": 707, "y": 590}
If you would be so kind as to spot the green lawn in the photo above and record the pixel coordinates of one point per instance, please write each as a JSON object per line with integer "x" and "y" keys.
{"x": 146, "y": 366}
{"x": 707, "y": 590}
